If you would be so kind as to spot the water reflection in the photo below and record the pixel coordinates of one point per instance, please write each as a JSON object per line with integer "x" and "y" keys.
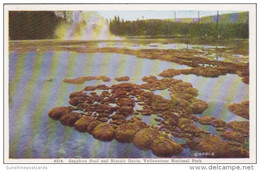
{"x": 33, "y": 134}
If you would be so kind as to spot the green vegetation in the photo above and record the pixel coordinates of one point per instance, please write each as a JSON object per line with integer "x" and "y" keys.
{"x": 241, "y": 17}
{"x": 27, "y": 25}
{"x": 221, "y": 27}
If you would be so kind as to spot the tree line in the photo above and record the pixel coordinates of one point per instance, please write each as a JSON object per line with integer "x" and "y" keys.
{"x": 27, "y": 25}
{"x": 155, "y": 28}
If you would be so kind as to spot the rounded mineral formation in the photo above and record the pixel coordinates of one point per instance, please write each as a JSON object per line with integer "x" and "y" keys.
{"x": 246, "y": 79}
{"x": 126, "y": 131}
{"x": 70, "y": 118}
{"x": 240, "y": 109}
{"x": 56, "y": 113}
{"x": 209, "y": 120}
{"x": 124, "y": 78}
{"x": 90, "y": 88}
{"x": 81, "y": 125}
{"x": 218, "y": 123}
{"x": 77, "y": 94}
{"x": 233, "y": 136}
{"x": 92, "y": 126}
{"x": 198, "y": 106}
{"x": 219, "y": 148}
{"x": 191, "y": 91}
{"x": 241, "y": 126}
{"x": 77, "y": 100}
{"x": 144, "y": 138}
{"x": 104, "y": 132}
{"x": 206, "y": 120}
{"x": 165, "y": 147}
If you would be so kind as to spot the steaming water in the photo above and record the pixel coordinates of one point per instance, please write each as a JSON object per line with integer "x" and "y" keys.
{"x": 84, "y": 26}
{"x": 36, "y": 86}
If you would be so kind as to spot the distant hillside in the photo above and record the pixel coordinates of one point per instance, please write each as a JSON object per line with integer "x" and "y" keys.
{"x": 228, "y": 18}
{"x": 241, "y": 17}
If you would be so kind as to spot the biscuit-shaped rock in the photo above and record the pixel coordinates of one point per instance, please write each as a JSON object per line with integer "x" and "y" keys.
{"x": 147, "y": 94}
{"x": 77, "y": 100}
{"x": 219, "y": 148}
{"x": 240, "y": 126}
{"x": 126, "y": 131}
{"x": 240, "y": 109}
{"x": 143, "y": 139}
{"x": 149, "y": 78}
{"x": 233, "y": 136}
{"x": 206, "y": 71}
{"x": 102, "y": 87}
{"x": 185, "y": 121}
{"x": 188, "y": 126}
{"x": 77, "y": 94}
{"x": 170, "y": 73}
{"x": 218, "y": 123}
{"x": 126, "y": 110}
{"x": 105, "y": 79}
{"x": 81, "y": 80}
{"x": 90, "y": 88}
{"x": 182, "y": 95}
{"x": 92, "y": 126}
{"x": 125, "y": 102}
{"x": 236, "y": 152}
{"x": 165, "y": 147}
{"x": 192, "y": 91}
{"x": 70, "y": 118}
{"x": 245, "y": 79}
{"x": 82, "y": 124}
{"x": 102, "y": 119}
{"x": 57, "y": 112}
{"x": 209, "y": 120}
{"x": 198, "y": 106}
{"x": 125, "y": 78}
{"x": 206, "y": 120}
{"x": 184, "y": 84}
{"x": 104, "y": 132}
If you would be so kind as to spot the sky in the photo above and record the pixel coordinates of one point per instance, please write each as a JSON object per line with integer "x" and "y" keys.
{"x": 133, "y": 15}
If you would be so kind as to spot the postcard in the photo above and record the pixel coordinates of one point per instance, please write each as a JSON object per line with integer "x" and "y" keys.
{"x": 130, "y": 83}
